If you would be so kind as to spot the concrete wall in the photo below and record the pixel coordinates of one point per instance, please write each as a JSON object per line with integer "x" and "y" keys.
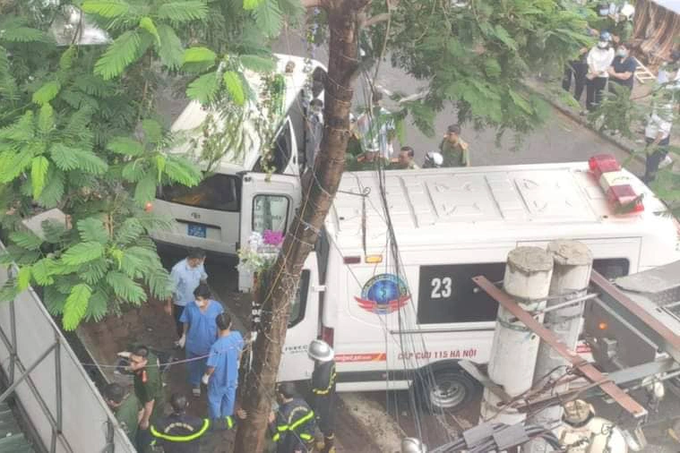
{"x": 84, "y": 415}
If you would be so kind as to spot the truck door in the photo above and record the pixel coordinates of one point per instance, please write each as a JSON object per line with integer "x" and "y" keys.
{"x": 268, "y": 202}
{"x": 303, "y": 325}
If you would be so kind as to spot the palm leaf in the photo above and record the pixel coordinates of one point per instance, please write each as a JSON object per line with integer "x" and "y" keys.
{"x": 170, "y": 48}
{"x": 268, "y": 18}
{"x": 106, "y": 8}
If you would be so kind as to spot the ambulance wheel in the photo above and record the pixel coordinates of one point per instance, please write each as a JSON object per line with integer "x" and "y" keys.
{"x": 449, "y": 389}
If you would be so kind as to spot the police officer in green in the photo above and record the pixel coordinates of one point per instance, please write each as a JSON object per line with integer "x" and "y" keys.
{"x": 148, "y": 386}
{"x": 126, "y": 406}
{"x": 366, "y": 161}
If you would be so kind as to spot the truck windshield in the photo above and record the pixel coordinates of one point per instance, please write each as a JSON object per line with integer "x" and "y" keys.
{"x": 218, "y": 192}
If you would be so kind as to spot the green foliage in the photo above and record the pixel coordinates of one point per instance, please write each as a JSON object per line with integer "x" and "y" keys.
{"x": 476, "y": 58}
{"x": 268, "y": 17}
{"x": 76, "y": 306}
{"x": 80, "y": 131}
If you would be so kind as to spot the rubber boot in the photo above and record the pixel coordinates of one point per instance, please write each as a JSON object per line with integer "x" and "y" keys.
{"x": 328, "y": 444}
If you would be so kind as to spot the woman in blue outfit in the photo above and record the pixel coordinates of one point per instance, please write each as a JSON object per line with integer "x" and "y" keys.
{"x": 221, "y": 376}
{"x": 200, "y": 332}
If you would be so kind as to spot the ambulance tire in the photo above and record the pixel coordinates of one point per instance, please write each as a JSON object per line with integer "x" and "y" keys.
{"x": 450, "y": 389}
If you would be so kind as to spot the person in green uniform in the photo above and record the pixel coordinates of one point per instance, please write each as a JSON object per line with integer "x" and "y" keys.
{"x": 364, "y": 162}
{"x": 454, "y": 149}
{"x": 148, "y": 385}
{"x": 405, "y": 161}
{"x": 126, "y": 406}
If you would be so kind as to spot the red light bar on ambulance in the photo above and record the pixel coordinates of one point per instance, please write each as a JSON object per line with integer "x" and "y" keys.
{"x": 615, "y": 183}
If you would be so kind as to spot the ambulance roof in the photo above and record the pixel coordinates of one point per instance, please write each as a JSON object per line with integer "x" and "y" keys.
{"x": 483, "y": 204}
{"x": 193, "y": 116}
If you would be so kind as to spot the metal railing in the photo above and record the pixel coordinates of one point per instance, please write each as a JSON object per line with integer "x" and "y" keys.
{"x": 62, "y": 404}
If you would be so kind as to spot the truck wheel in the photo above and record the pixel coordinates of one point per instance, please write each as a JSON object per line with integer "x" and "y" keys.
{"x": 448, "y": 390}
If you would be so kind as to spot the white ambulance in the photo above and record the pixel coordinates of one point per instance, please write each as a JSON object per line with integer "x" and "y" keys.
{"x": 207, "y": 215}
{"x": 396, "y": 321}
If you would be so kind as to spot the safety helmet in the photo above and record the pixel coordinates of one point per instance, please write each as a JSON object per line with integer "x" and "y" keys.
{"x": 605, "y": 36}
{"x": 627, "y": 11}
{"x": 434, "y": 159}
{"x": 412, "y": 445}
{"x": 577, "y": 411}
{"x": 320, "y": 350}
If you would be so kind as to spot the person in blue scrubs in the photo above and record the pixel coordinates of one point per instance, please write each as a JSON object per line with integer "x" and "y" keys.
{"x": 200, "y": 332}
{"x": 221, "y": 376}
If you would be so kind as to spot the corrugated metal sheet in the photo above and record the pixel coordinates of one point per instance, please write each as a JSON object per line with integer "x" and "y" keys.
{"x": 12, "y": 439}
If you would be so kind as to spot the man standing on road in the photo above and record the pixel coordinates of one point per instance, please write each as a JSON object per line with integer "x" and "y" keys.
{"x": 293, "y": 423}
{"x": 622, "y": 70}
{"x": 578, "y": 69}
{"x": 221, "y": 376}
{"x": 376, "y": 128}
{"x": 199, "y": 334}
{"x": 599, "y": 60}
{"x": 314, "y": 131}
{"x": 323, "y": 391}
{"x": 657, "y": 136}
{"x": 454, "y": 149}
{"x": 148, "y": 386}
{"x": 186, "y": 275}
{"x": 180, "y": 432}
{"x": 127, "y": 408}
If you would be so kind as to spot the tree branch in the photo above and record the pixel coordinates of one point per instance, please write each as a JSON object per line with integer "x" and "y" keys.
{"x": 382, "y": 17}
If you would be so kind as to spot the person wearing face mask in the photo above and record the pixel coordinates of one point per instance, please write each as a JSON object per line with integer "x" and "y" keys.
{"x": 599, "y": 60}
{"x": 200, "y": 332}
{"x": 622, "y": 70}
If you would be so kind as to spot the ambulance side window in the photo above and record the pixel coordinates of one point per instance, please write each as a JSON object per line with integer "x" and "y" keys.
{"x": 612, "y": 268}
{"x": 299, "y": 303}
{"x": 447, "y": 293}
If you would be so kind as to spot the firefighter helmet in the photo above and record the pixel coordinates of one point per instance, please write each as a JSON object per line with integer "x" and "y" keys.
{"x": 577, "y": 412}
{"x": 320, "y": 350}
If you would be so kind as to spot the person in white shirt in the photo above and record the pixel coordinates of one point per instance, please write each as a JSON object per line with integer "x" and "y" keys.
{"x": 377, "y": 129}
{"x": 314, "y": 131}
{"x": 599, "y": 60}
{"x": 657, "y": 136}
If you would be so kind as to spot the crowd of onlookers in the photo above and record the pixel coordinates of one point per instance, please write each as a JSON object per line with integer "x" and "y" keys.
{"x": 609, "y": 66}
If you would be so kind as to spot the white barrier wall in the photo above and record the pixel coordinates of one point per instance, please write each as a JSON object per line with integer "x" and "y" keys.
{"x": 73, "y": 417}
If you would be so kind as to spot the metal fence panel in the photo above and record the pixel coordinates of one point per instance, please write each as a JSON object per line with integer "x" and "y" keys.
{"x": 57, "y": 395}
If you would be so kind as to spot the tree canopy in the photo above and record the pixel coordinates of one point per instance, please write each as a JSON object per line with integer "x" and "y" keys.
{"x": 82, "y": 128}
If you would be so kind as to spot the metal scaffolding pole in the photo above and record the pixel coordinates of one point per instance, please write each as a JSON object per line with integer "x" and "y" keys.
{"x": 25, "y": 374}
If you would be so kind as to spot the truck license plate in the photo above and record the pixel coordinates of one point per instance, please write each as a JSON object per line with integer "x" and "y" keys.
{"x": 196, "y": 230}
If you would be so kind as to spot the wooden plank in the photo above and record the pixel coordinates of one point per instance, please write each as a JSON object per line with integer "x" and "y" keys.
{"x": 587, "y": 370}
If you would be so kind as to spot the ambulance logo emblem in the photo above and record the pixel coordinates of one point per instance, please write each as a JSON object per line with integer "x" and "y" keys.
{"x": 383, "y": 294}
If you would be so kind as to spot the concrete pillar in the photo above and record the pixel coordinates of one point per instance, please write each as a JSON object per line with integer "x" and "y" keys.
{"x": 513, "y": 354}
{"x": 571, "y": 275}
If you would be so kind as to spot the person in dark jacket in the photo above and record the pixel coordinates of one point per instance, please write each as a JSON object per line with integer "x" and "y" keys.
{"x": 323, "y": 391}
{"x": 292, "y": 425}
{"x": 180, "y": 432}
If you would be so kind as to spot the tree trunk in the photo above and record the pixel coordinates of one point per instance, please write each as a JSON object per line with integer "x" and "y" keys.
{"x": 319, "y": 187}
